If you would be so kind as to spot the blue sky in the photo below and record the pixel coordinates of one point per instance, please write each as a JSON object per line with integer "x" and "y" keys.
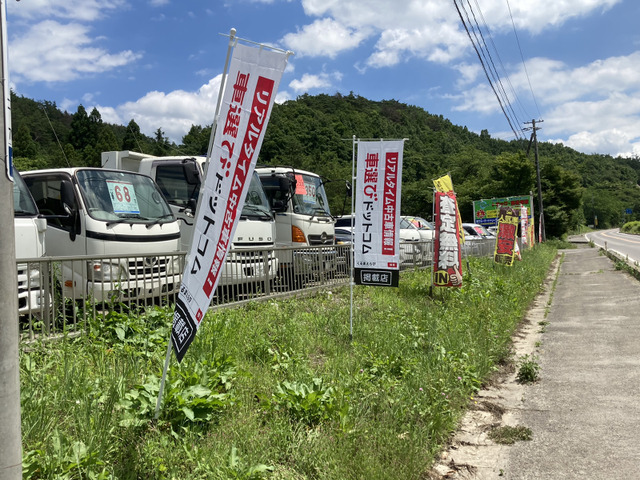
{"x": 159, "y": 62}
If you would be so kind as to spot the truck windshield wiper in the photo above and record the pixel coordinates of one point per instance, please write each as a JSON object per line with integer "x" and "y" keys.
{"x": 127, "y": 218}
{"x": 160, "y": 221}
{"x": 255, "y": 209}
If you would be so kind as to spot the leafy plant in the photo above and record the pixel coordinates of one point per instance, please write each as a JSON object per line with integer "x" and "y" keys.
{"x": 236, "y": 471}
{"x": 528, "y": 369}
{"x": 307, "y": 403}
{"x": 192, "y": 396}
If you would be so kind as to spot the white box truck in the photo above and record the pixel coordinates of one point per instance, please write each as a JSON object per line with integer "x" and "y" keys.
{"x": 30, "y": 233}
{"x": 303, "y": 220}
{"x": 251, "y": 262}
{"x": 117, "y": 227}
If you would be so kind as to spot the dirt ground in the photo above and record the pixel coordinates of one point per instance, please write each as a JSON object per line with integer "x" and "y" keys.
{"x": 471, "y": 454}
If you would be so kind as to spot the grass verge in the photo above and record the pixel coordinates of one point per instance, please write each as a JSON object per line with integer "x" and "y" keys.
{"x": 277, "y": 390}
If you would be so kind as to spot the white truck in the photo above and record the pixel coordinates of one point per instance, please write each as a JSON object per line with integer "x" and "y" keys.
{"x": 116, "y": 229}
{"x": 303, "y": 219}
{"x": 30, "y": 244}
{"x": 251, "y": 263}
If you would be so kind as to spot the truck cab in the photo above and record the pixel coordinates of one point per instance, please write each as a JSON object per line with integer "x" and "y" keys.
{"x": 251, "y": 261}
{"x": 119, "y": 221}
{"x": 303, "y": 220}
{"x": 30, "y": 232}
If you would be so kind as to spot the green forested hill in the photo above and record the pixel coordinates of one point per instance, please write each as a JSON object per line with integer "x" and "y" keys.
{"x": 315, "y": 133}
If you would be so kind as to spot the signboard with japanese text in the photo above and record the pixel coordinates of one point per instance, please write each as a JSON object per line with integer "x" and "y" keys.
{"x": 505, "y": 251}
{"x": 252, "y": 84}
{"x": 447, "y": 262}
{"x": 485, "y": 211}
{"x": 444, "y": 184}
{"x": 377, "y": 213}
{"x": 123, "y": 197}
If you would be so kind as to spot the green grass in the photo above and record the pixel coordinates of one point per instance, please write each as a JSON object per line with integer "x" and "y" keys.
{"x": 507, "y": 435}
{"x": 277, "y": 390}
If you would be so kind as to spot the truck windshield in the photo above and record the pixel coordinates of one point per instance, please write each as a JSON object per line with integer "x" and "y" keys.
{"x": 119, "y": 197}
{"x": 23, "y": 204}
{"x": 309, "y": 197}
{"x": 256, "y": 204}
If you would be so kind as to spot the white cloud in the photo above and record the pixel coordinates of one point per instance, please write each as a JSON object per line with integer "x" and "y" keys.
{"x": 324, "y": 37}
{"x": 427, "y": 29}
{"x": 158, "y": 3}
{"x": 53, "y": 52}
{"x": 79, "y": 10}
{"x": 310, "y": 82}
{"x": 172, "y": 112}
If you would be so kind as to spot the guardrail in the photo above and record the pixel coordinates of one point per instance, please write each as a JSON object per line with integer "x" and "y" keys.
{"x": 60, "y": 295}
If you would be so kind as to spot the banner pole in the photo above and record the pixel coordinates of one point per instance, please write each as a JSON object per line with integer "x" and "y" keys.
{"x": 164, "y": 377}
{"x": 353, "y": 227}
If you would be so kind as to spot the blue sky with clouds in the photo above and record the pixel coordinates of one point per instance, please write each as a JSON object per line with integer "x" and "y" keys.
{"x": 159, "y": 62}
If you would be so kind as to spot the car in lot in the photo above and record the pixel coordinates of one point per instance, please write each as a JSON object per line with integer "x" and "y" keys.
{"x": 411, "y": 246}
{"x": 425, "y": 229}
{"x": 474, "y": 232}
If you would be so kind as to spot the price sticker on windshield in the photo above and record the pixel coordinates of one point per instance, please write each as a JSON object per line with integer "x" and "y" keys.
{"x": 123, "y": 197}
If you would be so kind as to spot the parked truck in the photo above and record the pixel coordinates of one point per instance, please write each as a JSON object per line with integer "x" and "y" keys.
{"x": 303, "y": 220}
{"x": 30, "y": 232}
{"x": 251, "y": 263}
{"x": 114, "y": 232}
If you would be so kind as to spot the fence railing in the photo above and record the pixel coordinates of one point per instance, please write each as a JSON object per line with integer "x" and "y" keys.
{"x": 61, "y": 295}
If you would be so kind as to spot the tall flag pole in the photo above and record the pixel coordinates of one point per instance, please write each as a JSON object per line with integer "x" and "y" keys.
{"x": 247, "y": 101}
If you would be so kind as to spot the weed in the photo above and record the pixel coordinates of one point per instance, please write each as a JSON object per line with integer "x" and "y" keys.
{"x": 528, "y": 369}
{"x": 507, "y": 435}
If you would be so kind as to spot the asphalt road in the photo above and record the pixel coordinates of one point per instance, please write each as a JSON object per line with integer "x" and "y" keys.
{"x": 622, "y": 243}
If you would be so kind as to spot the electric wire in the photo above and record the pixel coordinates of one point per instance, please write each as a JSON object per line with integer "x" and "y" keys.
{"x": 522, "y": 58}
{"x": 503, "y": 69}
{"x": 480, "y": 55}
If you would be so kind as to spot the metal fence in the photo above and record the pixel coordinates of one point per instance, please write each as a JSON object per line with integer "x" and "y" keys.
{"x": 59, "y": 296}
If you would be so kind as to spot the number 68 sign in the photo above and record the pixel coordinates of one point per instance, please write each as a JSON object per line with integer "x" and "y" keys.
{"x": 123, "y": 197}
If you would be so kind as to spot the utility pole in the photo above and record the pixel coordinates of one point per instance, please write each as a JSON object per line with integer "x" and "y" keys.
{"x": 534, "y": 138}
{"x": 10, "y": 433}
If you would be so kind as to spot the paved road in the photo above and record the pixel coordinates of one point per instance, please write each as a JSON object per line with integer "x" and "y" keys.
{"x": 585, "y": 410}
{"x": 625, "y": 244}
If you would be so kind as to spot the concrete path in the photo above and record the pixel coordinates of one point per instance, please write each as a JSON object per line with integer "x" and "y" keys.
{"x": 584, "y": 412}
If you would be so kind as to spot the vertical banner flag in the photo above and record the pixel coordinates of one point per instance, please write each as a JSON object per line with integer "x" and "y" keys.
{"x": 447, "y": 253}
{"x": 445, "y": 185}
{"x": 508, "y": 219}
{"x": 377, "y": 213}
{"x": 524, "y": 227}
{"x": 252, "y": 83}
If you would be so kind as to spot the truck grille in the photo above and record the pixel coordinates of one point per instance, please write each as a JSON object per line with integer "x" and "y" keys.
{"x": 148, "y": 267}
{"x": 322, "y": 239}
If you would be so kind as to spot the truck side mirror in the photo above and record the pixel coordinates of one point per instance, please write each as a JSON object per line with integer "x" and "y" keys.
{"x": 191, "y": 172}
{"x": 286, "y": 185}
{"x": 68, "y": 199}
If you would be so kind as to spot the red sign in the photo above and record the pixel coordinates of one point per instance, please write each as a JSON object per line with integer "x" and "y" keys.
{"x": 448, "y": 256}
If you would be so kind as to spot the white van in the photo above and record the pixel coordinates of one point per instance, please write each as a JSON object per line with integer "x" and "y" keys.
{"x": 251, "y": 261}
{"x": 303, "y": 219}
{"x": 120, "y": 218}
{"x": 30, "y": 244}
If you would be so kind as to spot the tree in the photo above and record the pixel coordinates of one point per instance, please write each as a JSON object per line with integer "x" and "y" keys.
{"x": 161, "y": 146}
{"x": 132, "y": 138}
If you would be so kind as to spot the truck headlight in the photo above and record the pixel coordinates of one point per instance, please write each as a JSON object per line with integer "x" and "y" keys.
{"x": 105, "y": 271}
{"x": 34, "y": 278}
{"x": 174, "y": 265}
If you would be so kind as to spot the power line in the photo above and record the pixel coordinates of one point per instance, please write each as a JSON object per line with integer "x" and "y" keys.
{"x": 522, "y": 58}
{"x": 487, "y": 62}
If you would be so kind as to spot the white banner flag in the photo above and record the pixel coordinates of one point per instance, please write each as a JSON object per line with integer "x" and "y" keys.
{"x": 252, "y": 83}
{"x": 377, "y": 211}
